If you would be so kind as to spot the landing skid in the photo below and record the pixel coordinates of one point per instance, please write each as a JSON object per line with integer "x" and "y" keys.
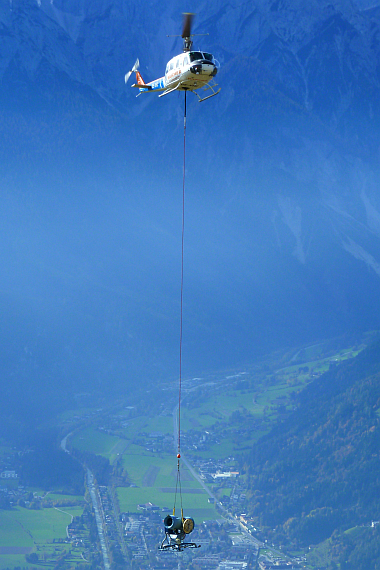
{"x": 206, "y": 88}
{"x": 170, "y": 90}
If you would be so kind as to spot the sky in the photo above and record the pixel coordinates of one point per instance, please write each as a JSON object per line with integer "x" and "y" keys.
{"x": 282, "y": 208}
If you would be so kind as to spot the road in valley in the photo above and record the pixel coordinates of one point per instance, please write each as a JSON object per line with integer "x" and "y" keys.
{"x": 99, "y": 517}
{"x": 98, "y": 509}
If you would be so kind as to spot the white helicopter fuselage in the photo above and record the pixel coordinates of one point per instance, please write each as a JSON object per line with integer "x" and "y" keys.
{"x": 185, "y": 72}
{"x": 190, "y": 70}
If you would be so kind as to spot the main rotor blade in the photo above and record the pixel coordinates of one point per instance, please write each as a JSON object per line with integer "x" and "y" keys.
{"x": 187, "y": 23}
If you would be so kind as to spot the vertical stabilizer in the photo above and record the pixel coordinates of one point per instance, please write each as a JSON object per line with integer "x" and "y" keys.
{"x": 139, "y": 79}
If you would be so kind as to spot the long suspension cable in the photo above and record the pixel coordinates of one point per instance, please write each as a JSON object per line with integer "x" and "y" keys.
{"x": 183, "y": 235}
{"x": 178, "y": 484}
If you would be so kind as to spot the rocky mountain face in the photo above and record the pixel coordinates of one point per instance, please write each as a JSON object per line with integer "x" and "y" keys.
{"x": 282, "y": 212}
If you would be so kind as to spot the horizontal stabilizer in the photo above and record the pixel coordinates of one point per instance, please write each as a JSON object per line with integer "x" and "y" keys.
{"x": 149, "y": 87}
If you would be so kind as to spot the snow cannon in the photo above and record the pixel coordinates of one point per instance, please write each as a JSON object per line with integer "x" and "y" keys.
{"x": 176, "y": 530}
{"x": 175, "y": 525}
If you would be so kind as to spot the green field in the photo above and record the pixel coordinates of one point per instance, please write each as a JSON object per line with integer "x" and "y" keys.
{"x": 194, "y": 504}
{"x": 134, "y": 426}
{"x": 98, "y": 442}
{"x": 138, "y": 462}
{"x": 218, "y": 407}
{"x": 322, "y": 364}
{"x": 226, "y": 448}
{"x": 61, "y": 497}
{"x": 25, "y": 528}
{"x": 154, "y": 474}
{"x": 154, "y": 470}
{"x": 20, "y": 527}
{"x": 163, "y": 424}
{"x": 155, "y": 478}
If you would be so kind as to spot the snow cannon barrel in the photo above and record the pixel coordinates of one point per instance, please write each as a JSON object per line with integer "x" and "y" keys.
{"x": 174, "y": 525}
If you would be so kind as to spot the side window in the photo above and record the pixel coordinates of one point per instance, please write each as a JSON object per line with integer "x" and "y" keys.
{"x": 171, "y": 65}
{"x": 186, "y": 60}
{"x": 177, "y": 63}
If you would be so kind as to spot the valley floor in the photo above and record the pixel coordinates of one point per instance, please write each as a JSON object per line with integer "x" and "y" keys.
{"x": 223, "y": 415}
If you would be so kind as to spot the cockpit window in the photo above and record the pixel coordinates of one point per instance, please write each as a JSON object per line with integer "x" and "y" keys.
{"x": 207, "y": 56}
{"x": 195, "y": 55}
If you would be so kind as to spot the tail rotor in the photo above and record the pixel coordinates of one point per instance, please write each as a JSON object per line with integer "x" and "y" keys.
{"x": 134, "y": 68}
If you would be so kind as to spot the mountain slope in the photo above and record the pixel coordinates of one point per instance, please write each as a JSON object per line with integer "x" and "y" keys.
{"x": 318, "y": 471}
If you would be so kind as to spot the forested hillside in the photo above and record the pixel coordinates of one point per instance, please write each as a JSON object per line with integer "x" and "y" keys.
{"x": 318, "y": 472}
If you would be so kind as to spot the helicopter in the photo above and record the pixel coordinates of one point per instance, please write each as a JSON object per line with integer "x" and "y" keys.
{"x": 189, "y": 71}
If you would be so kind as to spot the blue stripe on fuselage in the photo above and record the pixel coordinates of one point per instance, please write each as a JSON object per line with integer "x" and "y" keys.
{"x": 154, "y": 85}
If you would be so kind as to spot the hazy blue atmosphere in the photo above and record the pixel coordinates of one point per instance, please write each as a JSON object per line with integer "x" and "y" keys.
{"x": 276, "y": 424}
{"x": 282, "y": 201}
